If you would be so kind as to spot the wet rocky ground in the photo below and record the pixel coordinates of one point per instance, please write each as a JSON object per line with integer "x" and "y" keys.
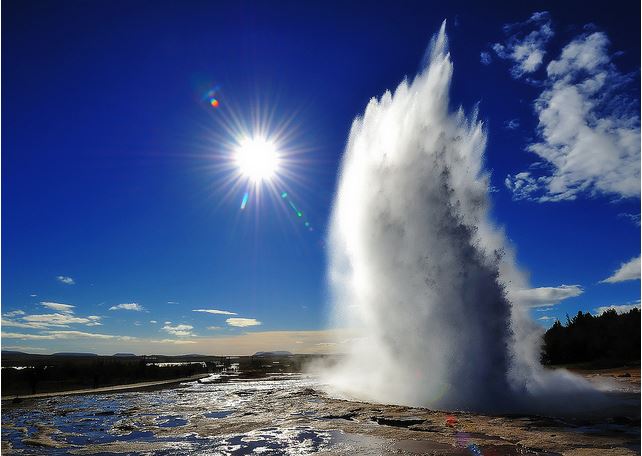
{"x": 291, "y": 415}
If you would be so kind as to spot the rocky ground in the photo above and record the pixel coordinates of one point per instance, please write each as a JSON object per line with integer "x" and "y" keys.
{"x": 291, "y": 415}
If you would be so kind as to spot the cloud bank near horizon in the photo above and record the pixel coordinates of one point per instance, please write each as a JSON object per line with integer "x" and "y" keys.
{"x": 319, "y": 341}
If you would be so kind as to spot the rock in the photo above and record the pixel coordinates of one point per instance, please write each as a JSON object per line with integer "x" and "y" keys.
{"x": 346, "y": 416}
{"x": 397, "y": 422}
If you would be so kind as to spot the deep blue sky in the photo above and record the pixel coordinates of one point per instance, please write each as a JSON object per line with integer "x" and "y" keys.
{"x": 107, "y": 177}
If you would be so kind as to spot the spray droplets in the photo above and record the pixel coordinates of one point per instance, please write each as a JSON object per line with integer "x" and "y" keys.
{"x": 412, "y": 260}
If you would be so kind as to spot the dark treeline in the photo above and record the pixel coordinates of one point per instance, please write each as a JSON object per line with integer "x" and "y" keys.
{"x": 24, "y": 373}
{"x": 608, "y": 339}
{"x": 66, "y": 374}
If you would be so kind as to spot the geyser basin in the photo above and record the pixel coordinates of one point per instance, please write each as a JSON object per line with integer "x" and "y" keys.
{"x": 418, "y": 269}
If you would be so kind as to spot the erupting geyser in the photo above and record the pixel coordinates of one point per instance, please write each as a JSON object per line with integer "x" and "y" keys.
{"x": 417, "y": 268}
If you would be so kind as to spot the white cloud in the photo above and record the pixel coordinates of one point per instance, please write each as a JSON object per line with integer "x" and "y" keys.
{"x": 485, "y": 58}
{"x": 153, "y": 322}
{"x": 523, "y": 185}
{"x": 179, "y": 330}
{"x": 14, "y": 313}
{"x": 51, "y": 335}
{"x": 60, "y": 319}
{"x": 175, "y": 341}
{"x": 21, "y": 324}
{"x": 23, "y": 348}
{"x": 627, "y": 271}
{"x": 77, "y": 334}
{"x": 633, "y": 218}
{"x": 45, "y": 321}
{"x": 621, "y": 309}
{"x": 525, "y": 44}
{"x": 94, "y": 320}
{"x": 66, "y": 308}
{"x": 588, "y": 131}
{"x": 214, "y": 328}
{"x": 242, "y": 322}
{"x": 128, "y": 306}
{"x": 11, "y": 335}
{"x": 215, "y": 311}
{"x": 512, "y": 124}
{"x": 66, "y": 280}
{"x": 546, "y": 318}
{"x": 548, "y": 296}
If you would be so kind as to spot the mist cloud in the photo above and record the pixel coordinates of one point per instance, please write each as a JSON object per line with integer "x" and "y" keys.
{"x": 417, "y": 268}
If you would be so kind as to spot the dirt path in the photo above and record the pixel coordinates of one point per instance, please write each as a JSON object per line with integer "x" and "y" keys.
{"x": 107, "y": 389}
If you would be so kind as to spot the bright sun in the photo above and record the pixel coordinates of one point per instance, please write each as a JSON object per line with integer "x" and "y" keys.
{"x": 257, "y": 159}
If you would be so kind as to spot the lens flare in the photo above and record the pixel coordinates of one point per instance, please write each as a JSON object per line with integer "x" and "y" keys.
{"x": 246, "y": 196}
{"x": 257, "y": 159}
{"x": 297, "y": 212}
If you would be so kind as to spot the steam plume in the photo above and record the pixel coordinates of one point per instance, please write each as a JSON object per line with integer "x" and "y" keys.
{"x": 417, "y": 267}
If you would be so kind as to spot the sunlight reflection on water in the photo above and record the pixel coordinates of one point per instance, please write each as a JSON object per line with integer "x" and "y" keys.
{"x": 111, "y": 423}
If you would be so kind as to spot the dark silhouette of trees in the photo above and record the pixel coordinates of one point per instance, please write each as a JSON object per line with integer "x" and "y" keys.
{"x": 25, "y": 373}
{"x": 609, "y": 338}
{"x": 56, "y": 373}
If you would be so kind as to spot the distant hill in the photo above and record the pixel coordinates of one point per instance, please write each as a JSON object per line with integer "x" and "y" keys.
{"x": 274, "y": 353}
{"x": 74, "y": 354}
{"x": 124, "y": 355}
{"x": 13, "y": 352}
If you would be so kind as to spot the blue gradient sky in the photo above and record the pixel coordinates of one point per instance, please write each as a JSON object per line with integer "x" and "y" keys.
{"x": 108, "y": 157}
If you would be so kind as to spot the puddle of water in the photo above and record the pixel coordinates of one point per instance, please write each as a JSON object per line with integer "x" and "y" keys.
{"x": 218, "y": 414}
{"x": 430, "y": 447}
{"x": 98, "y": 438}
{"x": 275, "y": 441}
{"x": 427, "y": 447}
{"x": 171, "y": 421}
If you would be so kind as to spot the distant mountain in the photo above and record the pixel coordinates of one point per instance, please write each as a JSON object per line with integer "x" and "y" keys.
{"x": 74, "y": 354}
{"x": 124, "y": 355}
{"x": 13, "y": 352}
{"x": 274, "y": 353}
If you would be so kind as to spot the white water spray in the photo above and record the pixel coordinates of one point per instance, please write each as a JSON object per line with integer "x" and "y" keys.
{"x": 417, "y": 267}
